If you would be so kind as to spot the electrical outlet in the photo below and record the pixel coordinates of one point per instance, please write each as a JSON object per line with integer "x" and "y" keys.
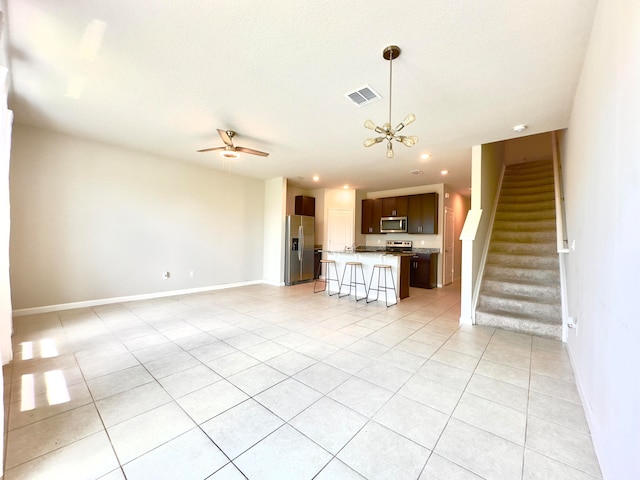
{"x": 572, "y": 323}
{"x": 192, "y": 274}
{"x": 166, "y": 275}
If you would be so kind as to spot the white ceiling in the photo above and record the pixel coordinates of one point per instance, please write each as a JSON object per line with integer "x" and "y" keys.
{"x": 168, "y": 73}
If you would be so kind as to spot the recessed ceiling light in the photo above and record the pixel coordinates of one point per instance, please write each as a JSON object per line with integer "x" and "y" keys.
{"x": 316, "y": 178}
{"x": 416, "y": 172}
{"x": 519, "y": 128}
{"x": 444, "y": 172}
{"x": 424, "y": 156}
{"x": 75, "y": 87}
{"x": 346, "y": 187}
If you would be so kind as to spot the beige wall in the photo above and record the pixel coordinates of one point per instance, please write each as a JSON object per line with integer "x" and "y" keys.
{"x": 91, "y": 221}
{"x": 601, "y": 174}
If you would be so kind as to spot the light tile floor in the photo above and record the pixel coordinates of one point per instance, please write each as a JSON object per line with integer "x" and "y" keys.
{"x": 262, "y": 382}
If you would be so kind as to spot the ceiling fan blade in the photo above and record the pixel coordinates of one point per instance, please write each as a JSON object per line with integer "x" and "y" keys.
{"x": 211, "y": 149}
{"x": 226, "y": 138}
{"x": 251, "y": 151}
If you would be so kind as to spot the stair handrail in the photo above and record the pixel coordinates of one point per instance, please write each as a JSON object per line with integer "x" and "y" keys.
{"x": 562, "y": 242}
{"x": 561, "y": 239}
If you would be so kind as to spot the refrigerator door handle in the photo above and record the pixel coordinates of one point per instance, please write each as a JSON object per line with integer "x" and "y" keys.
{"x": 301, "y": 246}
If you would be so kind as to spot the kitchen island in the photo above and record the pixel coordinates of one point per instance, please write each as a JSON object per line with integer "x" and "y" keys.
{"x": 399, "y": 262}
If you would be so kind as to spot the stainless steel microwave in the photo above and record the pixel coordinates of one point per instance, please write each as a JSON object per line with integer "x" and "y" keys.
{"x": 393, "y": 225}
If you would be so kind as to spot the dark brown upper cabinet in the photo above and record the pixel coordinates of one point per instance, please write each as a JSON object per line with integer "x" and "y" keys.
{"x": 371, "y": 213}
{"x": 305, "y": 206}
{"x": 423, "y": 213}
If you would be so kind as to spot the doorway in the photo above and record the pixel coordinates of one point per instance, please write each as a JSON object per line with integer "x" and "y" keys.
{"x": 340, "y": 227}
{"x": 449, "y": 244}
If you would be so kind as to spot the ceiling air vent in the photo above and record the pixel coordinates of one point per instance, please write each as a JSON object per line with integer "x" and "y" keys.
{"x": 363, "y": 96}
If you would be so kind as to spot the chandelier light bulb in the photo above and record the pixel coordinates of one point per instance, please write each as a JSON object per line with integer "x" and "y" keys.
{"x": 389, "y": 149}
{"x": 409, "y": 119}
{"x": 370, "y": 125}
{"x": 410, "y": 141}
{"x": 372, "y": 141}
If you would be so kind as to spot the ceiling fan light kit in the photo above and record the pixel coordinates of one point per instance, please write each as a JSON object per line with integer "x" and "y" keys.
{"x": 230, "y": 151}
{"x": 229, "y": 154}
{"x": 387, "y": 133}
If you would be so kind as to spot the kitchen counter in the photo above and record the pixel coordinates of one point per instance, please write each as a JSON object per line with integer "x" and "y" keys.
{"x": 368, "y": 260}
{"x": 368, "y": 252}
{"x": 379, "y": 250}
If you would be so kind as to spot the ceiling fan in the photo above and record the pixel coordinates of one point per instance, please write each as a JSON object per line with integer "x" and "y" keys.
{"x": 230, "y": 150}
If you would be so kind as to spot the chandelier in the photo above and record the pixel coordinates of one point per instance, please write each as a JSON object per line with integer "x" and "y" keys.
{"x": 387, "y": 133}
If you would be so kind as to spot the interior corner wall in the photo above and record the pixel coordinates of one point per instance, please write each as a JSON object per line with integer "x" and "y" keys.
{"x": 275, "y": 193}
{"x": 6, "y": 321}
{"x": 601, "y": 175}
{"x": 91, "y": 221}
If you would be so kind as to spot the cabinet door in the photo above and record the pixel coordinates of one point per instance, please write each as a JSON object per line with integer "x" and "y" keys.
{"x": 430, "y": 213}
{"x": 420, "y": 271}
{"x": 367, "y": 214}
{"x": 414, "y": 213}
{"x": 402, "y": 206}
{"x": 389, "y": 208}
{"x": 405, "y": 273}
{"x": 371, "y": 213}
{"x": 305, "y": 206}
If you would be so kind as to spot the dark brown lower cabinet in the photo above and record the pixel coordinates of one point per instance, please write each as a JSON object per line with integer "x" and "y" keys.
{"x": 424, "y": 270}
{"x": 405, "y": 275}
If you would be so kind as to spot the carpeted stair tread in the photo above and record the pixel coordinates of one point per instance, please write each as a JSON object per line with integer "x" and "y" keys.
{"x": 531, "y": 261}
{"x": 521, "y": 248}
{"x": 537, "y": 306}
{"x": 532, "y": 215}
{"x": 499, "y": 271}
{"x": 527, "y": 206}
{"x": 524, "y": 287}
{"x": 528, "y": 225}
{"x": 522, "y": 324}
{"x": 519, "y": 236}
{"x": 521, "y": 189}
{"x": 522, "y": 316}
{"x": 527, "y": 198}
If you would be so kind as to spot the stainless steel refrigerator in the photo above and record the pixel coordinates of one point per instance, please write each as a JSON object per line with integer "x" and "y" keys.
{"x": 300, "y": 237}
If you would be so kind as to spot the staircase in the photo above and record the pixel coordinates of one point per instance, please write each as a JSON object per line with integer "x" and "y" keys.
{"x": 520, "y": 288}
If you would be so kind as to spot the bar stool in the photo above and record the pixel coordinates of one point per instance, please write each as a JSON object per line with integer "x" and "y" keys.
{"x": 353, "y": 280}
{"x": 327, "y": 277}
{"x": 386, "y": 269}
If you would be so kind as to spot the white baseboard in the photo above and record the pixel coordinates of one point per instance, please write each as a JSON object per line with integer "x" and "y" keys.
{"x": 131, "y": 298}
